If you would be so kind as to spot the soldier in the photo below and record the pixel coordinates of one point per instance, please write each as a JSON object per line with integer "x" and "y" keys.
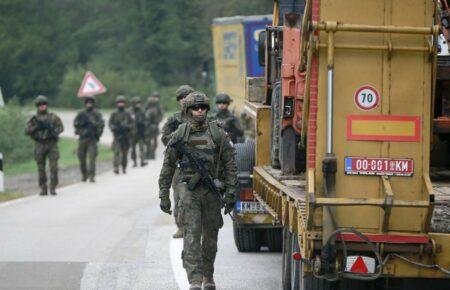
{"x": 44, "y": 128}
{"x": 138, "y": 134}
{"x": 230, "y": 122}
{"x": 169, "y": 128}
{"x": 121, "y": 125}
{"x": 176, "y": 119}
{"x": 200, "y": 207}
{"x": 154, "y": 116}
{"x": 89, "y": 126}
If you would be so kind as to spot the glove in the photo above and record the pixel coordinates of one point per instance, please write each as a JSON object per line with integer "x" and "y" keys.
{"x": 230, "y": 201}
{"x": 165, "y": 205}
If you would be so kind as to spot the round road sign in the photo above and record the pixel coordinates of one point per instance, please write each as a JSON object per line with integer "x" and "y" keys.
{"x": 367, "y": 98}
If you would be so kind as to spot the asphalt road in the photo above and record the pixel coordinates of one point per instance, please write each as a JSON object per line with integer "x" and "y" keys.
{"x": 112, "y": 235}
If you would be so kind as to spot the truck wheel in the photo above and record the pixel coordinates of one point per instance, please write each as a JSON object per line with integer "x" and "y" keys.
{"x": 245, "y": 155}
{"x": 274, "y": 239}
{"x": 287, "y": 259}
{"x": 245, "y": 239}
{"x": 440, "y": 221}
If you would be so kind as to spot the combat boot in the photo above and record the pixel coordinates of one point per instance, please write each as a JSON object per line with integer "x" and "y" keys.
{"x": 195, "y": 286}
{"x": 134, "y": 163}
{"x": 143, "y": 163}
{"x": 43, "y": 190}
{"x": 52, "y": 191}
{"x": 83, "y": 177}
{"x": 124, "y": 170}
{"x": 116, "y": 171}
{"x": 208, "y": 283}
{"x": 178, "y": 234}
{"x": 92, "y": 179}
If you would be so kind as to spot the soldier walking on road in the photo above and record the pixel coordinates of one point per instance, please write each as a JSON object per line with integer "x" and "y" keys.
{"x": 200, "y": 206}
{"x": 154, "y": 116}
{"x": 230, "y": 122}
{"x": 89, "y": 126}
{"x": 121, "y": 124}
{"x": 44, "y": 128}
{"x": 138, "y": 133}
{"x": 169, "y": 128}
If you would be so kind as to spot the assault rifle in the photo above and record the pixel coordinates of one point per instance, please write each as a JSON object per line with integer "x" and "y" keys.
{"x": 91, "y": 131}
{"x": 202, "y": 172}
{"x": 43, "y": 125}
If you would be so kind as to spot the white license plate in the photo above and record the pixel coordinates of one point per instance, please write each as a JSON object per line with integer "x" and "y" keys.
{"x": 379, "y": 166}
{"x": 249, "y": 207}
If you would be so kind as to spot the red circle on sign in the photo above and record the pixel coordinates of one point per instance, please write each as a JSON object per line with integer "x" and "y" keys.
{"x": 367, "y": 98}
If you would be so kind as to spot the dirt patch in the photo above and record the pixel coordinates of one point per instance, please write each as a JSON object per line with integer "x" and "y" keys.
{"x": 28, "y": 183}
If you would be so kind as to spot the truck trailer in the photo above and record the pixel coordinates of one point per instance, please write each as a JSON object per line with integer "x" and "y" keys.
{"x": 344, "y": 130}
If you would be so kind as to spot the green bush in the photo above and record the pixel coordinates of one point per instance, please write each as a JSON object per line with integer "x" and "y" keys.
{"x": 15, "y": 146}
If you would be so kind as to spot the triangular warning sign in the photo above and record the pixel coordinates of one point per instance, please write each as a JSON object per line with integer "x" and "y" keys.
{"x": 91, "y": 86}
{"x": 359, "y": 266}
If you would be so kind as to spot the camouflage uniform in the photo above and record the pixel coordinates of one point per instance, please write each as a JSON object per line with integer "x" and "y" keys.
{"x": 44, "y": 128}
{"x": 154, "y": 116}
{"x": 121, "y": 124}
{"x": 138, "y": 133}
{"x": 199, "y": 208}
{"x": 168, "y": 130}
{"x": 230, "y": 122}
{"x": 89, "y": 126}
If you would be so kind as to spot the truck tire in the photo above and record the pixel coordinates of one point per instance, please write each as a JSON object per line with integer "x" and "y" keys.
{"x": 246, "y": 239}
{"x": 440, "y": 221}
{"x": 274, "y": 239}
{"x": 287, "y": 260}
{"x": 245, "y": 155}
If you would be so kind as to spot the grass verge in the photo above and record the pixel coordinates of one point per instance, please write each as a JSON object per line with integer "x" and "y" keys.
{"x": 68, "y": 157}
{"x": 7, "y": 196}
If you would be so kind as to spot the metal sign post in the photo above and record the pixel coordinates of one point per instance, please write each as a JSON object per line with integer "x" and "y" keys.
{"x": 2, "y": 186}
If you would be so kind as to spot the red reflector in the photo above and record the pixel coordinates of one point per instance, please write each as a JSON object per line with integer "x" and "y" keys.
{"x": 246, "y": 194}
{"x": 359, "y": 266}
{"x": 297, "y": 256}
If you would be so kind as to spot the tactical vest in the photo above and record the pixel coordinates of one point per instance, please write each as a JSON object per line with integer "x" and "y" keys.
{"x": 205, "y": 145}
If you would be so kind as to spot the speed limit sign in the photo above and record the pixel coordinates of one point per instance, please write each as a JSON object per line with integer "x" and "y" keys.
{"x": 367, "y": 98}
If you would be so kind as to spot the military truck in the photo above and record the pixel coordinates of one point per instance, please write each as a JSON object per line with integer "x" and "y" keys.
{"x": 343, "y": 139}
{"x": 235, "y": 42}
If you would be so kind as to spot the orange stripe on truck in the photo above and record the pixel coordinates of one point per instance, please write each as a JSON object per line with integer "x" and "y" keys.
{"x": 383, "y": 128}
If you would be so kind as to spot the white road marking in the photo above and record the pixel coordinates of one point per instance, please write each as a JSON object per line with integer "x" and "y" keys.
{"x": 17, "y": 201}
{"x": 176, "y": 246}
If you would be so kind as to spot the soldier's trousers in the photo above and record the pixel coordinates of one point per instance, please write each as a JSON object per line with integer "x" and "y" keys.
{"x": 120, "y": 149}
{"x": 138, "y": 144}
{"x": 201, "y": 218}
{"x": 43, "y": 151}
{"x": 87, "y": 153}
{"x": 177, "y": 187}
{"x": 152, "y": 144}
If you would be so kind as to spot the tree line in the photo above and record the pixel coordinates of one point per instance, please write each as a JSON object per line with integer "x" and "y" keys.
{"x": 133, "y": 46}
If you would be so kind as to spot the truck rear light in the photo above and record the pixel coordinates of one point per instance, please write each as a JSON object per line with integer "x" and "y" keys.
{"x": 360, "y": 264}
{"x": 246, "y": 194}
{"x": 297, "y": 256}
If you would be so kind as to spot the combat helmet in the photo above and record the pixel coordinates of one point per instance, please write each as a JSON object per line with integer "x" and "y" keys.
{"x": 136, "y": 100}
{"x": 223, "y": 99}
{"x": 195, "y": 98}
{"x": 183, "y": 91}
{"x": 121, "y": 99}
{"x": 41, "y": 99}
{"x": 155, "y": 94}
{"x": 89, "y": 99}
